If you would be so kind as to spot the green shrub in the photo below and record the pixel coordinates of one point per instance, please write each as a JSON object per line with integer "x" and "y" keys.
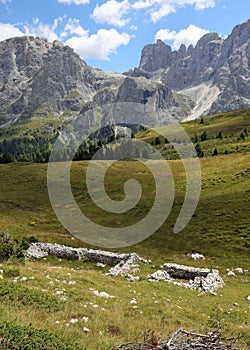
{"x": 6, "y": 250}
{"x": 15, "y": 337}
{"x": 18, "y": 295}
{"x": 10, "y": 273}
{"x": 14, "y": 251}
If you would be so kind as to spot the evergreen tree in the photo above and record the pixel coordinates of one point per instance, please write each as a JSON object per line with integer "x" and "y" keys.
{"x": 215, "y": 152}
{"x": 199, "y": 151}
{"x": 204, "y": 136}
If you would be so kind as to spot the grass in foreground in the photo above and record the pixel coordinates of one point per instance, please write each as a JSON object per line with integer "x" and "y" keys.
{"x": 59, "y": 291}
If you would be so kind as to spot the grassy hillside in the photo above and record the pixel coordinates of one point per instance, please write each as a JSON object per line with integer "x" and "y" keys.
{"x": 219, "y": 229}
{"x": 227, "y": 132}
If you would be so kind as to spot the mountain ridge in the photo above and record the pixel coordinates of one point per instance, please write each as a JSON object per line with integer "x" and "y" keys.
{"x": 221, "y": 64}
{"x": 38, "y": 78}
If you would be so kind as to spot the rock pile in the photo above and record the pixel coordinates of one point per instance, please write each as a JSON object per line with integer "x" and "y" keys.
{"x": 204, "y": 280}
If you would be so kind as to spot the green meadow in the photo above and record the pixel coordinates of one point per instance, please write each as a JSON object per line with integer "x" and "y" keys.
{"x": 41, "y": 305}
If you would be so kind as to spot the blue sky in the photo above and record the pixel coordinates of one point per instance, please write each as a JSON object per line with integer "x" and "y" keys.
{"x": 110, "y": 34}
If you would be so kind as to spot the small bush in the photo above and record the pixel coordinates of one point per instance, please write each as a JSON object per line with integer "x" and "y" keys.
{"x": 10, "y": 273}
{"x": 18, "y": 295}
{"x": 13, "y": 337}
{"x": 6, "y": 251}
{"x": 14, "y": 251}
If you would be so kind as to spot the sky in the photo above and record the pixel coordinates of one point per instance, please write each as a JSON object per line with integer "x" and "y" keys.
{"x": 110, "y": 34}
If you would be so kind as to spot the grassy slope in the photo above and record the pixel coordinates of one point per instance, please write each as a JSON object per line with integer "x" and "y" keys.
{"x": 219, "y": 230}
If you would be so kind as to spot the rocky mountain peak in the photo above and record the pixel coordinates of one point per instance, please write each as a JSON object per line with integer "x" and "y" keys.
{"x": 207, "y": 38}
{"x": 156, "y": 56}
{"x": 222, "y": 65}
{"x": 38, "y": 78}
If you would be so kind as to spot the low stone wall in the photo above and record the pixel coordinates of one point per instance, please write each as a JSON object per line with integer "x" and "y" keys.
{"x": 185, "y": 272}
{"x": 205, "y": 280}
{"x": 40, "y": 250}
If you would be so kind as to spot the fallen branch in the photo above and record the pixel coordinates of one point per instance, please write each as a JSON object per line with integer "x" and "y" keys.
{"x": 184, "y": 340}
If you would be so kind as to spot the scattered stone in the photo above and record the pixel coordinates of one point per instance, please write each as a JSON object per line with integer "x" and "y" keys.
{"x": 103, "y": 294}
{"x": 86, "y": 330}
{"x": 159, "y": 276}
{"x": 72, "y": 282}
{"x": 231, "y": 273}
{"x": 132, "y": 278}
{"x": 197, "y": 256}
{"x": 100, "y": 264}
{"x": 74, "y": 320}
{"x": 23, "y": 279}
{"x": 133, "y": 301}
{"x": 248, "y": 297}
{"x": 239, "y": 270}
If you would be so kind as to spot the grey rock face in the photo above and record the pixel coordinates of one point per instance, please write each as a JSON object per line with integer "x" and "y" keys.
{"x": 38, "y": 78}
{"x": 155, "y": 56}
{"x": 213, "y": 61}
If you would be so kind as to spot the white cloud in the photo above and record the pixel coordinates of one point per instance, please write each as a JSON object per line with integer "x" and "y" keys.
{"x": 112, "y": 12}
{"x": 95, "y": 46}
{"x": 40, "y": 29}
{"x": 73, "y": 27}
{"x": 187, "y": 36}
{"x": 4, "y": 1}
{"x": 159, "y": 9}
{"x": 9, "y": 31}
{"x": 142, "y": 5}
{"x": 100, "y": 45}
{"x": 133, "y": 27}
{"x": 163, "y": 11}
{"x": 75, "y": 2}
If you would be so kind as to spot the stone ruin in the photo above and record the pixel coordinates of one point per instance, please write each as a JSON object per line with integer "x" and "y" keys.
{"x": 122, "y": 264}
{"x": 201, "y": 279}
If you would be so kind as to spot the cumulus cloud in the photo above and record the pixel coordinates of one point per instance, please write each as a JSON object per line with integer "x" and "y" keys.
{"x": 73, "y": 27}
{"x": 9, "y": 31}
{"x": 100, "y": 45}
{"x": 112, "y": 12}
{"x": 75, "y": 2}
{"x": 187, "y": 36}
{"x": 47, "y": 31}
{"x": 162, "y": 12}
{"x": 159, "y": 9}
